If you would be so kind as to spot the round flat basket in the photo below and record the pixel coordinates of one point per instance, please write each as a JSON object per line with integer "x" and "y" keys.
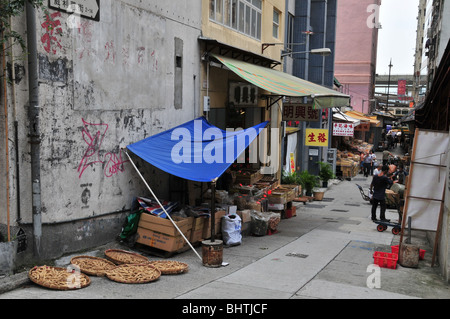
{"x": 120, "y": 257}
{"x": 134, "y": 273}
{"x": 94, "y": 266}
{"x": 170, "y": 267}
{"x": 58, "y": 278}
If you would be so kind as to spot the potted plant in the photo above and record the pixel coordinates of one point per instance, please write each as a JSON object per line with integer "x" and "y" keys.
{"x": 326, "y": 173}
{"x": 290, "y": 178}
{"x": 308, "y": 182}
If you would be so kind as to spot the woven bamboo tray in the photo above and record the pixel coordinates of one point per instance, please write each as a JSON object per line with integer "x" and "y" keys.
{"x": 134, "y": 273}
{"x": 58, "y": 278}
{"x": 170, "y": 267}
{"x": 94, "y": 266}
{"x": 120, "y": 257}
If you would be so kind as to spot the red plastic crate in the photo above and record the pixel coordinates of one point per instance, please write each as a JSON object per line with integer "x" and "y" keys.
{"x": 385, "y": 260}
{"x": 422, "y": 254}
{"x": 394, "y": 250}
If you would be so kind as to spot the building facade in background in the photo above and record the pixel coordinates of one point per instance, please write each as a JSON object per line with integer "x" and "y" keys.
{"x": 356, "y": 50}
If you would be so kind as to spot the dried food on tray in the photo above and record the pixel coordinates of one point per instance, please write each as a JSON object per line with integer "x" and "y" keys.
{"x": 170, "y": 267}
{"x": 58, "y": 278}
{"x": 134, "y": 273}
{"x": 94, "y": 266}
{"x": 120, "y": 257}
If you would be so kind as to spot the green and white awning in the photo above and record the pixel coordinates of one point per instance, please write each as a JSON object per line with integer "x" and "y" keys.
{"x": 283, "y": 84}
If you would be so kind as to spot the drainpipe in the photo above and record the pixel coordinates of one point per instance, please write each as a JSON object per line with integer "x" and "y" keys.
{"x": 16, "y": 124}
{"x": 33, "y": 114}
{"x": 5, "y": 102}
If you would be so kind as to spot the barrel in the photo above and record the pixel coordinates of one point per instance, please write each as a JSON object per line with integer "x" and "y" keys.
{"x": 212, "y": 253}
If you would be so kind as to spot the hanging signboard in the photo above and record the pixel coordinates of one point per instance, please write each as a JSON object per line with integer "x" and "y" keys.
{"x": 343, "y": 129}
{"x": 401, "y": 87}
{"x": 89, "y": 9}
{"x": 363, "y": 127}
{"x": 300, "y": 112}
{"x": 317, "y": 137}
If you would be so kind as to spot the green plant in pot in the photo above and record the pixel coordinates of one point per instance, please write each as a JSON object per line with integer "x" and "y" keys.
{"x": 290, "y": 178}
{"x": 308, "y": 182}
{"x": 326, "y": 173}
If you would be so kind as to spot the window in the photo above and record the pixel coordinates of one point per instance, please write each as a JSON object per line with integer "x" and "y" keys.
{"x": 290, "y": 33}
{"x": 241, "y": 15}
{"x": 276, "y": 23}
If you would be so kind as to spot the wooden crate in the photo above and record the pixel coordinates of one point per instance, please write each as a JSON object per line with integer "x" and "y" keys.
{"x": 248, "y": 177}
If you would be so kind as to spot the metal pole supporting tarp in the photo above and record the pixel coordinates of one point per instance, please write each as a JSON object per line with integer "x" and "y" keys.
{"x": 156, "y": 198}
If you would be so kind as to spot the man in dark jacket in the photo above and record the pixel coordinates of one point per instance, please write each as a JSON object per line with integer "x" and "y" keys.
{"x": 378, "y": 187}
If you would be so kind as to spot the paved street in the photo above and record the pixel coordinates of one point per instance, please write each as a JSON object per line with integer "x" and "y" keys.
{"x": 322, "y": 253}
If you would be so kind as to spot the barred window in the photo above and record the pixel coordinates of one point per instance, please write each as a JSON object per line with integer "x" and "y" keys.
{"x": 241, "y": 15}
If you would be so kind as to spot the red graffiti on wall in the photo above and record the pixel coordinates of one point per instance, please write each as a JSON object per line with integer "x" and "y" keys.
{"x": 52, "y": 27}
{"x": 93, "y": 136}
{"x": 85, "y": 30}
{"x": 110, "y": 52}
{"x": 114, "y": 164}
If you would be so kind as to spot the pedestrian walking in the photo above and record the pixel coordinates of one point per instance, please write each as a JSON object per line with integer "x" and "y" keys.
{"x": 378, "y": 187}
{"x": 368, "y": 161}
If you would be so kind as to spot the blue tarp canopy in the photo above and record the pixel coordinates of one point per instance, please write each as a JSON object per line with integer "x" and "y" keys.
{"x": 196, "y": 150}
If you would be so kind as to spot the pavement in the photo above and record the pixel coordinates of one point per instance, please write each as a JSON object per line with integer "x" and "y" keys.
{"x": 325, "y": 252}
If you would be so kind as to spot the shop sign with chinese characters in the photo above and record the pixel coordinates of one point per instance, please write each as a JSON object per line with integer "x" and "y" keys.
{"x": 317, "y": 137}
{"x": 300, "y": 112}
{"x": 363, "y": 127}
{"x": 343, "y": 129}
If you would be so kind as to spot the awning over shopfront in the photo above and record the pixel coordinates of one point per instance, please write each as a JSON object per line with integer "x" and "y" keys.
{"x": 196, "y": 150}
{"x": 283, "y": 84}
{"x": 362, "y": 117}
{"x": 346, "y": 118}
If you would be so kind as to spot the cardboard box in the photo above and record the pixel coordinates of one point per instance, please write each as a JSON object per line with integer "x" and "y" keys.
{"x": 165, "y": 226}
{"x": 197, "y": 230}
{"x": 160, "y": 233}
{"x": 161, "y": 241}
{"x": 276, "y": 206}
{"x": 207, "y": 225}
{"x": 291, "y": 212}
{"x": 246, "y": 219}
{"x": 277, "y": 197}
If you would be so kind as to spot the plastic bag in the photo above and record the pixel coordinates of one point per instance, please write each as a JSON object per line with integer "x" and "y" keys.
{"x": 131, "y": 224}
{"x": 231, "y": 230}
{"x": 263, "y": 221}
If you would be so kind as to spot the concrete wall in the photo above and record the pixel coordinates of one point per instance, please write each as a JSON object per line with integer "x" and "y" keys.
{"x": 102, "y": 86}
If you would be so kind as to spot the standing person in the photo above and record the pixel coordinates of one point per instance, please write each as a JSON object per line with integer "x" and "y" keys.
{"x": 386, "y": 155}
{"x": 374, "y": 159}
{"x": 361, "y": 165}
{"x": 378, "y": 187}
{"x": 368, "y": 164}
{"x": 376, "y": 171}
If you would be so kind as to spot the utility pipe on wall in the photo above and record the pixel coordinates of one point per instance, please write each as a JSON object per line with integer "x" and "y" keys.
{"x": 35, "y": 139}
{"x": 5, "y": 102}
